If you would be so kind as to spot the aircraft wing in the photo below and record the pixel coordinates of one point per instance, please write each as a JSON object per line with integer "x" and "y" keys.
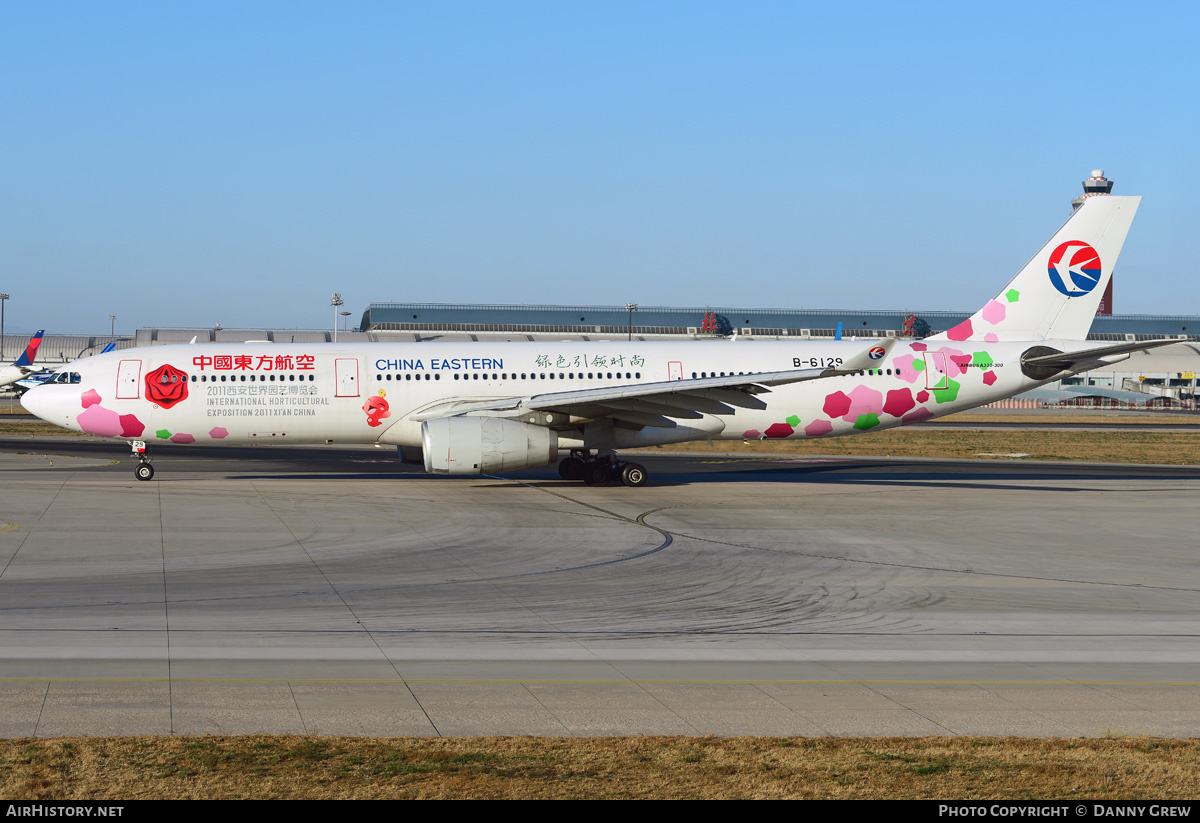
{"x": 654, "y": 404}
{"x": 1077, "y": 361}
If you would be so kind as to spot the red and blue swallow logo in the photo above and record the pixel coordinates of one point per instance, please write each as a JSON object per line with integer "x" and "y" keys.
{"x": 877, "y": 352}
{"x": 1074, "y": 268}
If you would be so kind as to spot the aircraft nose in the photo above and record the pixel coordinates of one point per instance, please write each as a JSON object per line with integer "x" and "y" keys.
{"x": 46, "y": 403}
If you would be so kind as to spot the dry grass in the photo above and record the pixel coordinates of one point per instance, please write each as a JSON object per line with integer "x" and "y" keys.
{"x": 631, "y": 767}
{"x": 1180, "y": 448}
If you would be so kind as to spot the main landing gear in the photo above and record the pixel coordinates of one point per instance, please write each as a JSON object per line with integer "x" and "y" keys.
{"x": 144, "y": 470}
{"x": 598, "y": 470}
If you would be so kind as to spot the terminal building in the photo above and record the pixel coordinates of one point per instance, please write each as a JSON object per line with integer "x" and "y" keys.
{"x": 1158, "y": 377}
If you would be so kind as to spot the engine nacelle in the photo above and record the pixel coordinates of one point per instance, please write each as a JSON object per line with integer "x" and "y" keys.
{"x": 474, "y": 445}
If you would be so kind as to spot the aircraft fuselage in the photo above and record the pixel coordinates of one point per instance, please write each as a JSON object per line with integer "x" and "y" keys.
{"x": 378, "y": 392}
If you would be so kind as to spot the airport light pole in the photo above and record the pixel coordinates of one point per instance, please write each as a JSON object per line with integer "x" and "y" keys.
{"x": 631, "y": 308}
{"x": 345, "y": 314}
{"x": 3, "y": 297}
{"x": 336, "y": 302}
{"x": 112, "y": 325}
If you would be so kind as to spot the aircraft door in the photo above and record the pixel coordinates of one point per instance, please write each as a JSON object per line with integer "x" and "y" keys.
{"x": 128, "y": 374}
{"x": 674, "y": 370}
{"x": 346, "y": 370}
{"x": 936, "y": 376}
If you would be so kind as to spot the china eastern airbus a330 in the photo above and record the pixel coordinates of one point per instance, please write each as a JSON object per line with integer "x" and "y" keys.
{"x": 475, "y": 408}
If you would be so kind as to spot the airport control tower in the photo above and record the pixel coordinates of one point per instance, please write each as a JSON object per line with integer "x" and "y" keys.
{"x": 1094, "y": 185}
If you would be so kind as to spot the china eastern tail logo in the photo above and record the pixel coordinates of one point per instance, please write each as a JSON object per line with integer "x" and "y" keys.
{"x": 1074, "y": 268}
{"x": 877, "y": 352}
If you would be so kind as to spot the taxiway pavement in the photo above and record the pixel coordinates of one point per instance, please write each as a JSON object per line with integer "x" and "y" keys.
{"x": 335, "y": 591}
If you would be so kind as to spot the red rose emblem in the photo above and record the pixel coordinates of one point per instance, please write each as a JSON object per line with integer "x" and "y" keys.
{"x": 166, "y": 386}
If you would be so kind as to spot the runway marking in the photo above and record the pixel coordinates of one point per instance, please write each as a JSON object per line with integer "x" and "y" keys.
{"x": 10, "y": 527}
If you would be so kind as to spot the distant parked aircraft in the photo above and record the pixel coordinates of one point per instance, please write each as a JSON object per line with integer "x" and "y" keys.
{"x": 23, "y": 365}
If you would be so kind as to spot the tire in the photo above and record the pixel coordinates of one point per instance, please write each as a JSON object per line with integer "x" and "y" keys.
{"x": 144, "y": 471}
{"x": 595, "y": 474}
{"x": 571, "y": 469}
{"x": 634, "y": 474}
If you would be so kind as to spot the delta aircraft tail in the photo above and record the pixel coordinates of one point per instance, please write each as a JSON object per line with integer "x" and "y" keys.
{"x": 1055, "y": 295}
{"x": 27, "y": 357}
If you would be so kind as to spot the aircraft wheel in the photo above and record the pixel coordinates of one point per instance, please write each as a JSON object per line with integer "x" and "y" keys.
{"x": 571, "y": 469}
{"x": 634, "y": 474}
{"x": 595, "y": 474}
{"x": 144, "y": 471}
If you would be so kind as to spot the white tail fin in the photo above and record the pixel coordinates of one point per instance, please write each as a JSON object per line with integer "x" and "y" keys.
{"x": 1055, "y": 294}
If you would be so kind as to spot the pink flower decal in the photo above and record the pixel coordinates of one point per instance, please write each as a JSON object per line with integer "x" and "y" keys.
{"x": 836, "y": 404}
{"x": 818, "y": 428}
{"x": 991, "y": 338}
{"x": 218, "y": 433}
{"x": 750, "y": 434}
{"x": 779, "y": 430}
{"x": 916, "y": 416}
{"x": 90, "y": 398}
{"x": 98, "y": 420}
{"x": 960, "y": 332}
{"x": 182, "y": 438}
{"x": 863, "y": 401}
{"x": 899, "y": 402}
{"x": 131, "y": 426}
{"x": 904, "y": 368}
{"x": 922, "y": 396}
{"x": 989, "y": 377}
{"x": 993, "y": 312}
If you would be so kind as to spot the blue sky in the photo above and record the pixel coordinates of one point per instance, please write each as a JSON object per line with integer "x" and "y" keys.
{"x": 187, "y": 164}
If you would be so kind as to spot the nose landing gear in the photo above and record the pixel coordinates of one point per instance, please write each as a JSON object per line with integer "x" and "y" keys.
{"x": 598, "y": 470}
{"x": 143, "y": 471}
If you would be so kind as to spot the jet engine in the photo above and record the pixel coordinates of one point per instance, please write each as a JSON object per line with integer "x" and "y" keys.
{"x": 474, "y": 445}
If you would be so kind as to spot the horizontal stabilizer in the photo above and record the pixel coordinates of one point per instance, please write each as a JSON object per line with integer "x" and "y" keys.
{"x": 1070, "y": 360}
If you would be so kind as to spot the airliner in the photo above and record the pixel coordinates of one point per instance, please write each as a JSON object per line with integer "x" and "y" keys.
{"x": 23, "y": 365}
{"x": 480, "y": 408}
{"x": 37, "y": 378}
